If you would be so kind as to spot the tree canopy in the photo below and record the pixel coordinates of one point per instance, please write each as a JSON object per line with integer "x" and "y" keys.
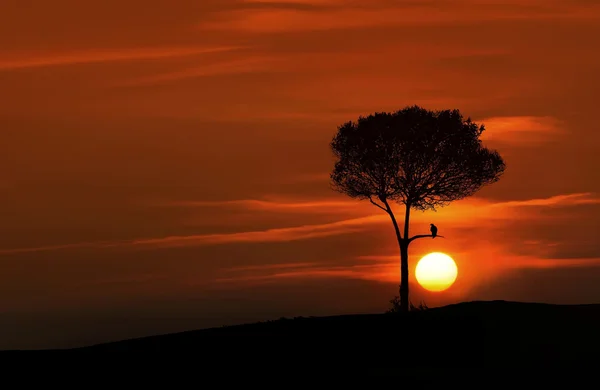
{"x": 421, "y": 158}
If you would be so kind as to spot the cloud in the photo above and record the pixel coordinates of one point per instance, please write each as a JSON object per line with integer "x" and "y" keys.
{"x": 558, "y": 200}
{"x": 528, "y": 262}
{"x": 239, "y": 66}
{"x": 283, "y": 205}
{"x": 370, "y": 272}
{"x": 476, "y": 211}
{"x": 468, "y": 213}
{"x": 127, "y": 280}
{"x": 106, "y": 55}
{"x": 275, "y": 203}
{"x": 536, "y": 263}
{"x": 269, "y": 267}
{"x": 310, "y": 177}
{"x": 47, "y": 248}
{"x": 278, "y": 19}
{"x": 385, "y": 270}
{"x": 521, "y": 129}
{"x": 277, "y": 3}
{"x": 269, "y": 235}
{"x": 285, "y": 20}
{"x": 299, "y": 4}
{"x": 300, "y": 61}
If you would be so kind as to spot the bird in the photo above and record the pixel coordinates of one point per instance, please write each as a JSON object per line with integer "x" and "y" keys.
{"x": 433, "y": 230}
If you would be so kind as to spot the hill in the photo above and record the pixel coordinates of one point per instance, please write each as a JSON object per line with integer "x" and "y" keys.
{"x": 468, "y": 335}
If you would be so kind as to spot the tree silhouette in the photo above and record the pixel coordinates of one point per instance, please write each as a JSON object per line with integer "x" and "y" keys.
{"x": 419, "y": 158}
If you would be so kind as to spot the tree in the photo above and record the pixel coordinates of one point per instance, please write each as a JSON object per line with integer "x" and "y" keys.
{"x": 418, "y": 158}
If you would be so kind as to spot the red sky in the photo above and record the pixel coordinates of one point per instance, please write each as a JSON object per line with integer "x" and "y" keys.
{"x": 164, "y": 165}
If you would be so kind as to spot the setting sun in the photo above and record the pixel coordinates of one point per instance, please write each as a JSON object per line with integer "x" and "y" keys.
{"x": 436, "y": 272}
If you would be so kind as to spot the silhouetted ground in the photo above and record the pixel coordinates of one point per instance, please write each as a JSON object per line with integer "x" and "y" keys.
{"x": 505, "y": 337}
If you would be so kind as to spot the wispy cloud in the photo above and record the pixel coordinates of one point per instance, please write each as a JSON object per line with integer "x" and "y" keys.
{"x": 105, "y": 55}
{"x": 133, "y": 279}
{"x": 299, "y": 4}
{"x": 558, "y": 200}
{"x": 521, "y": 129}
{"x": 262, "y": 267}
{"x": 238, "y": 66}
{"x": 469, "y": 209}
{"x": 476, "y": 211}
{"x": 532, "y": 262}
{"x": 371, "y": 272}
{"x": 383, "y": 13}
{"x": 515, "y": 262}
{"x": 466, "y": 213}
{"x": 284, "y": 205}
{"x": 269, "y": 235}
{"x": 47, "y": 248}
{"x": 385, "y": 269}
{"x": 304, "y": 232}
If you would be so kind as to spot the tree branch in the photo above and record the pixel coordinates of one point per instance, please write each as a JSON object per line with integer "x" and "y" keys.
{"x": 406, "y": 220}
{"x": 394, "y": 222}
{"x": 378, "y": 205}
{"x": 422, "y": 236}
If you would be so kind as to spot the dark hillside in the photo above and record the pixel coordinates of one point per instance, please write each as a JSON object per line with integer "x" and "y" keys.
{"x": 463, "y": 336}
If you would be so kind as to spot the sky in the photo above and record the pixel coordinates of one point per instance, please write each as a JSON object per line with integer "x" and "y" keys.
{"x": 164, "y": 165}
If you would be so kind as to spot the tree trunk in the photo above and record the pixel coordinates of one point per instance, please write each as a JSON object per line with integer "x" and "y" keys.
{"x": 403, "y": 244}
{"x": 404, "y": 301}
{"x": 404, "y": 277}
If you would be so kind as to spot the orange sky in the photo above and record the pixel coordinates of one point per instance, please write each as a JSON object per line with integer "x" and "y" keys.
{"x": 164, "y": 165}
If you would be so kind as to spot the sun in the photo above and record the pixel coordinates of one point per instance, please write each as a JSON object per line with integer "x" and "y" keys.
{"x": 436, "y": 271}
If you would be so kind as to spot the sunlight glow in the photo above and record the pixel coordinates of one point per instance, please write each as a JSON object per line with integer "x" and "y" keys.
{"x": 436, "y": 271}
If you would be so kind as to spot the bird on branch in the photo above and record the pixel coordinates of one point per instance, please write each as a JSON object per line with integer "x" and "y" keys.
{"x": 433, "y": 230}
